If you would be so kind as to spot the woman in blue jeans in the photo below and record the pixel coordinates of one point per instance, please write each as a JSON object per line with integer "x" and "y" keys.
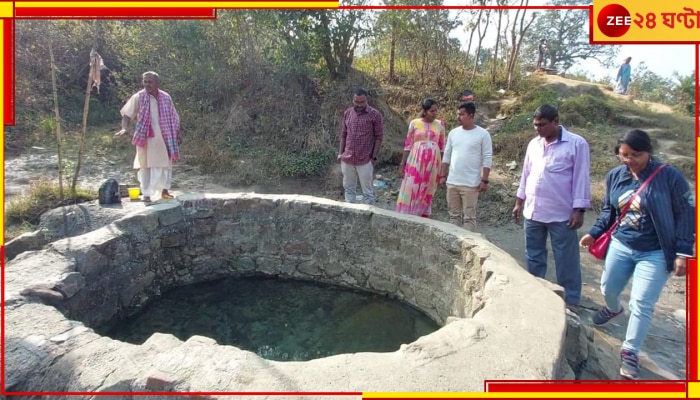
{"x": 651, "y": 242}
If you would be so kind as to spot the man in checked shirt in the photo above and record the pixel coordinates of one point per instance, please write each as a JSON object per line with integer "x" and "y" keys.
{"x": 361, "y": 136}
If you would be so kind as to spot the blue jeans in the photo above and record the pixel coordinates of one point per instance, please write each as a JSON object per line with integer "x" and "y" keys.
{"x": 650, "y": 275}
{"x": 567, "y": 259}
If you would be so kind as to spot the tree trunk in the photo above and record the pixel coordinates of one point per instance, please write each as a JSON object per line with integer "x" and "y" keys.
{"x": 326, "y": 49}
{"x": 392, "y": 55}
{"x": 481, "y": 41}
{"x": 515, "y": 53}
{"x": 471, "y": 34}
{"x": 78, "y": 163}
{"x": 513, "y": 49}
{"x": 498, "y": 42}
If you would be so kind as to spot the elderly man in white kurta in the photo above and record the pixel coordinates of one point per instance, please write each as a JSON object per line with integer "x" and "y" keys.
{"x": 156, "y": 136}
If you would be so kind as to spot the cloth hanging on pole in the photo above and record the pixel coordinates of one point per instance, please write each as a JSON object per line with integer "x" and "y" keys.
{"x": 96, "y": 65}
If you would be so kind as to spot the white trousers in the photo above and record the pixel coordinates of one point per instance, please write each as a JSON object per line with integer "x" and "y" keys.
{"x": 153, "y": 180}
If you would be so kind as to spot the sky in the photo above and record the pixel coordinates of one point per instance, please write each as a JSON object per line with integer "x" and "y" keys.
{"x": 663, "y": 60}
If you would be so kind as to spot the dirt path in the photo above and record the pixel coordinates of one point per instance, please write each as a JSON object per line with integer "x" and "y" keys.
{"x": 664, "y": 351}
{"x": 664, "y": 355}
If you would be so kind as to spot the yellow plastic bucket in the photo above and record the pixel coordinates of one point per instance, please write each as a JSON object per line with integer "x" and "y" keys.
{"x": 134, "y": 193}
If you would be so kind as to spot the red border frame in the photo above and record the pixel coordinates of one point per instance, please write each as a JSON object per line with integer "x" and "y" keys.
{"x": 116, "y": 13}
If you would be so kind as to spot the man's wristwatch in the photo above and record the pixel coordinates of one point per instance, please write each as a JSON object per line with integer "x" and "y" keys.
{"x": 581, "y": 210}
{"x": 486, "y": 181}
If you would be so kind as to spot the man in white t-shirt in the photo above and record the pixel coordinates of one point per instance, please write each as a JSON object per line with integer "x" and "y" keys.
{"x": 468, "y": 155}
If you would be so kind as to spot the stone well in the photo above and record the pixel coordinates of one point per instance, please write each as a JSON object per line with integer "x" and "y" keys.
{"x": 497, "y": 321}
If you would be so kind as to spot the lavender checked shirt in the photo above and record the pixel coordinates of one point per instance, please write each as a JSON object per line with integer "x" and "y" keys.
{"x": 556, "y": 178}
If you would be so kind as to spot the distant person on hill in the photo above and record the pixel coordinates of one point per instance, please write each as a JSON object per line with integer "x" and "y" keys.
{"x": 554, "y": 193}
{"x": 541, "y": 50}
{"x": 624, "y": 76}
{"x": 420, "y": 165}
{"x": 361, "y": 133}
{"x": 156, "y": 136}
{"x": 465, "y": 167}
{"x": 650, "y": 242}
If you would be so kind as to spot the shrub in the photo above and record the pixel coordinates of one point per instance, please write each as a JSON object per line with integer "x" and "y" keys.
{"x": 585, "y": 108}
{"x": 512, "y": 146}
{"x": 529, "y": 102}
{"x": 301, "y": 165}
{"x": 43, "y": 196}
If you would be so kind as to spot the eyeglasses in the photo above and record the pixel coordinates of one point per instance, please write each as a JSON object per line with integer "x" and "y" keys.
{"x": 634, "y": 156}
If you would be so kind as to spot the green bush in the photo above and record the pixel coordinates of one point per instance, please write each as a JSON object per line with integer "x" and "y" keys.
{"x": 302, "y": 165}
{"x": 586, "y": 108}
{"x": 534, "y": 98}
{"x": 517, "y": 123}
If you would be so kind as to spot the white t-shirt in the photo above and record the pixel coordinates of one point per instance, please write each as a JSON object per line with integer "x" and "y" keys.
{"x": 467, "y": 151}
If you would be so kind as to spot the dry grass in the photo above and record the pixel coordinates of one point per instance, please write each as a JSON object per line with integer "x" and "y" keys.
{"x": 13, "y": 231}
{"x": 43, "y": 195}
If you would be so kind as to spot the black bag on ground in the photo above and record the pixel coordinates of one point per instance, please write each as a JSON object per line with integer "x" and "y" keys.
{"x": 109, "y": 192}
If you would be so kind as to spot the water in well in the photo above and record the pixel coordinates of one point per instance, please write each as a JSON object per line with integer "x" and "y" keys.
{"x": 279, "y": 319}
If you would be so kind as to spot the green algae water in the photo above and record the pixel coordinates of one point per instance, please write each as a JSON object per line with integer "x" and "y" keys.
{"x": 281, "y": 320}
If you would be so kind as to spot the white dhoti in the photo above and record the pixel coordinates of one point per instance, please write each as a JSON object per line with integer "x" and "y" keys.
{"x": 153, "y": 180}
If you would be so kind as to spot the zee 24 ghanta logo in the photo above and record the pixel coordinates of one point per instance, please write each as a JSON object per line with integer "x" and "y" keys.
{"x": 614, "y": 20}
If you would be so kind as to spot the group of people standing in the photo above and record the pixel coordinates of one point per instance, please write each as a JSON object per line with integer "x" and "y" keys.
{"x": 651, "y": 213}
{"x": 460, "y": 161}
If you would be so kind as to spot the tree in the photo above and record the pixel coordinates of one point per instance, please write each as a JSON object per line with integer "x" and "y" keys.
{"x": 485, "y": 17}
{"x": 392, "y": 24}
{"x": 517, "y": 34}
{"x": 684, "y": 93}
{"x": 567, "y": 37}
{"x": 494, "y": 65}
{"x": 418, "y": 38}
{"x": 648, "y": 86}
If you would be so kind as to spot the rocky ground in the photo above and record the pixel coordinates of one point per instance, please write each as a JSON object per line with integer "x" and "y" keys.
{"x": 664, "y": 355}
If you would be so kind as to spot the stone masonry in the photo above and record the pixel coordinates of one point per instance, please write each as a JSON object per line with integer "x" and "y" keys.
{"x": 497, "y": 321}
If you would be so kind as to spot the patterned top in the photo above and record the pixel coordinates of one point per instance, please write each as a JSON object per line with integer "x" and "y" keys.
{"x": 428, "y": 132}
{"x": 636, "y": 229}
{"x": 360, "y": 131}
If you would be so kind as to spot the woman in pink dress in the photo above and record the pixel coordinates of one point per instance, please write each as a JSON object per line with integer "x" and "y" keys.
{"x": 421, "y": 160}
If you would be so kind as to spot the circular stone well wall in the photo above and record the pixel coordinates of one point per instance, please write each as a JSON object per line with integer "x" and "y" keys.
{"x": 497, "y": 321}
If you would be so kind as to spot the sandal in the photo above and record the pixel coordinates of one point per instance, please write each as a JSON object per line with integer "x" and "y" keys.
{"x": 166, "y": 196}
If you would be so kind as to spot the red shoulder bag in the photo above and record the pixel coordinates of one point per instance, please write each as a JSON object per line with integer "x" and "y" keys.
{"x": 599, "y": 248}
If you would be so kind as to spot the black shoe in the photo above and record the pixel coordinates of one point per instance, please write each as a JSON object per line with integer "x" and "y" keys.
{"x": 604, "y": 315}
{"x": 630, "y": 365}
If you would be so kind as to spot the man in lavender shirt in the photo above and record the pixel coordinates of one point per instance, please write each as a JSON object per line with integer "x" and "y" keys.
{"x": 553, "y": 195}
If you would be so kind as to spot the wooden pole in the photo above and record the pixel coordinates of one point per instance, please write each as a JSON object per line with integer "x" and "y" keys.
{"x": 57, "y": 118}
